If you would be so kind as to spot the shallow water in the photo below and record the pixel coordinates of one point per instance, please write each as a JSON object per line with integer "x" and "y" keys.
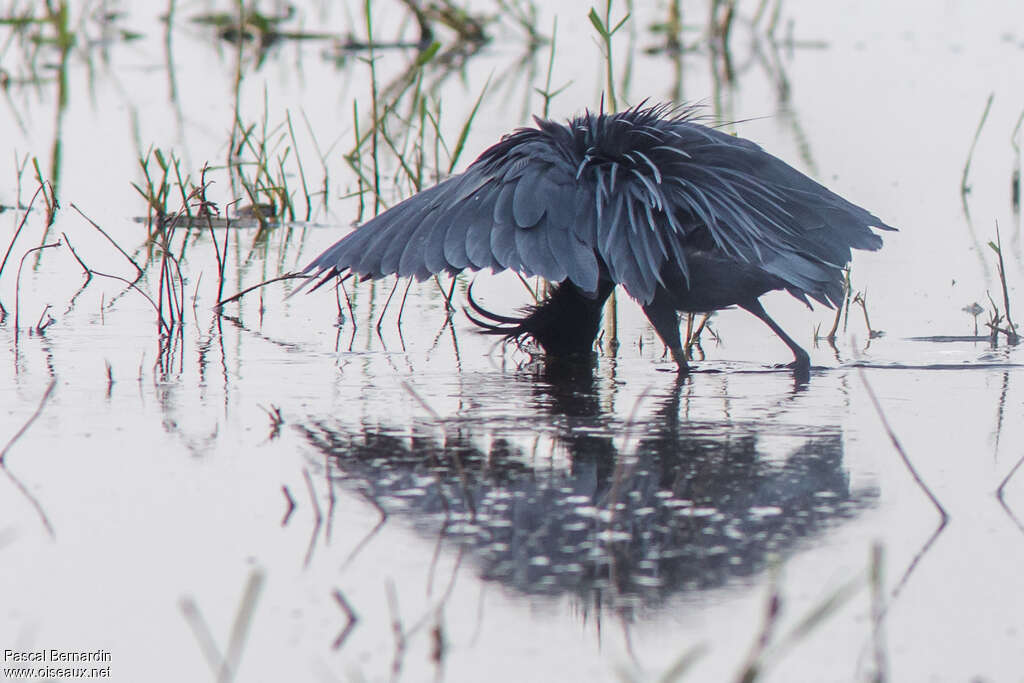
{"x": 481, "y": 516}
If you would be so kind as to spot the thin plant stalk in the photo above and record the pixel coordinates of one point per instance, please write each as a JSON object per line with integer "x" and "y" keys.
{"x": 964, "y": 187}
{"x": 28, "y": 423}
{"x": 10, "y": 475}
{"x": 546, "y": 93}
{"x": 17, "y": 285}
{"x": 944, "y": 516}
{"x": 298, "y": 161}
{"x": 373, "y": 94}
{"x": 611, "y": 314}
{"x": 17, "y": 231}
{"x": 1011, "y": 329}
{"x": 110, "y": 239}
{"x": 606, "y": 33}
{"x": 464, "y": 133}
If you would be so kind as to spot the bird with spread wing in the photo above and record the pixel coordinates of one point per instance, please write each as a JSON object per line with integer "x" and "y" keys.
{"x": 685, "y": 217}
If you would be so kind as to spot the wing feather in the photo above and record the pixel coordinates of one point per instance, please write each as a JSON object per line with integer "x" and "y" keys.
{"x": 534, "y": 247}
{"x": 528, "y": 205}
{"x": 503, "y": 246}
{"x": 478, "y": 234}
{"x": 416, "y": 255}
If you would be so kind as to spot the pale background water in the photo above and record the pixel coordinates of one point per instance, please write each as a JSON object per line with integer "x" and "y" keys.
{"x": 168, "y": 484}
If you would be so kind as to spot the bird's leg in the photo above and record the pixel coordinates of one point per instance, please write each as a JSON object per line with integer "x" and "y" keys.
{"x": 802, "y": 362}
{"x": 665, "y": 320}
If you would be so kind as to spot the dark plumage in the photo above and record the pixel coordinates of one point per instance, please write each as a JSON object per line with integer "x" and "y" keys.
{"x": 683, "y": 216}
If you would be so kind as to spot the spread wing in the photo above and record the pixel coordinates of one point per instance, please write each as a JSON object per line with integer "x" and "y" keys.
{"x": 756, "y": 209}
{"x": 615, "y": 196}
{"x": 515, "y": 207}
{"x": 665, "y": 185}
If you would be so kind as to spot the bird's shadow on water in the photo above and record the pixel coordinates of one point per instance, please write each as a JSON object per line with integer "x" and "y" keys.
{"x": 561, "y": 496}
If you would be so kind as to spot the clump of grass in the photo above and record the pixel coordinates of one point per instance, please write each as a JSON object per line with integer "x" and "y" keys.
{"x": 162, "y": 227}
{"x": 267, "y": 186}
{"x": 265, "y": 156}
{"x": 156, "y": 190}
{"x": 263, "y": 172}
{"x": 403, "y": 121}
{"x": 258, "y": 162}
{"x": 405, "y": 127}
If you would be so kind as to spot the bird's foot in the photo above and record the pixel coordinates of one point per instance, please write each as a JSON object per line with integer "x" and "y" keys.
{"x": 801, "y": 368}
{"x": 510, "y": 327}
{"x": 682, "y": 366}
{"x": 801, "y": 362}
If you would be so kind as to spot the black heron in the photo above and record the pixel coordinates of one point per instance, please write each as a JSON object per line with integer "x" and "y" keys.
{"x": 684, "y": 216}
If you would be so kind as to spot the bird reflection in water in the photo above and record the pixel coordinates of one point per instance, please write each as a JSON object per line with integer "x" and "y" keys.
{"x": 686, "y": 504}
